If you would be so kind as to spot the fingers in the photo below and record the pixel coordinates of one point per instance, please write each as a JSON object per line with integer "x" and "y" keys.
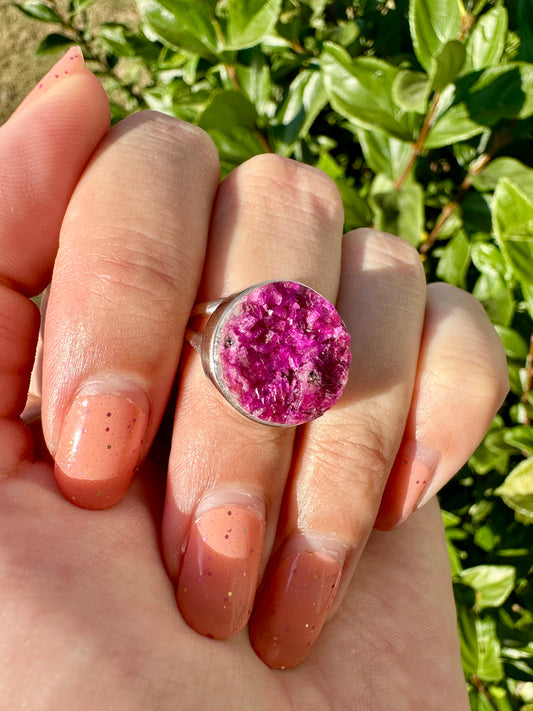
{"x": 460, "y": 384}
{"x": 273, "y": 219}
{"x": 126, "y": 274}
{"x": 43, "y": 149}
{"x": 343, "y": 459}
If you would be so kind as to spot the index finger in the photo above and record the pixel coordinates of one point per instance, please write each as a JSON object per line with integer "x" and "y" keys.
{"x": 44, "y": 147}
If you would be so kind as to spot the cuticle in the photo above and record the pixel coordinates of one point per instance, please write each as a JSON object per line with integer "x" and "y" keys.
{"x": 227, "y": 497}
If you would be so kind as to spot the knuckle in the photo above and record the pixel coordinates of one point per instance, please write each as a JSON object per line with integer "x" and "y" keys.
{"x": 138, "y": 269}
{"x": 187, "y": 141}
{"x": 304, "y": 187}
{"x": 383, "y": 250}
{"x": 361, "y": 455}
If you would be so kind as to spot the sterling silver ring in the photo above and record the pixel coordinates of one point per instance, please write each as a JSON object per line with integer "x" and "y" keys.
{"x": 278, "y": 351}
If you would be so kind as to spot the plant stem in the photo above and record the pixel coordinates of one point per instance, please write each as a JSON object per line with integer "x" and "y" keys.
{"x": 499, "y": 140}
{"x": 466, "y": 24}
{"x": 448, "y": 210}
{"x": 480, "y": 686}
{"x": 418, "y": 146}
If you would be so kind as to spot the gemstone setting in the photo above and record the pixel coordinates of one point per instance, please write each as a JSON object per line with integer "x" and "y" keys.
{"x": 280, "y": 353}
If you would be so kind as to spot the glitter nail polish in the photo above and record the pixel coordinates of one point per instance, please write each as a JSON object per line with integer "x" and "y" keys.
{"x": 218, "y": 578}
{"x": 294, "y": 600}
{"x": 71, "y": 62}
{"x": 408, "y": 481}
{"x": 100, "y": 445}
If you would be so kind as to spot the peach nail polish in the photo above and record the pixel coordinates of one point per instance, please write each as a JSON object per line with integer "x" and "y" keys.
{"x": 293, "y": 602}
{"x": 69, "y": 63}
{"x": 409, "y": 479}
{"x": 218, "y": 578}
{"x": 100, "y": 447}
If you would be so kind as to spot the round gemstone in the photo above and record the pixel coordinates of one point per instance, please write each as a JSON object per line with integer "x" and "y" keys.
{"x": 283, "y": 353}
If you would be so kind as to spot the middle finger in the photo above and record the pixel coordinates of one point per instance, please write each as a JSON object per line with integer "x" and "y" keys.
{"x": 273, "y": 219}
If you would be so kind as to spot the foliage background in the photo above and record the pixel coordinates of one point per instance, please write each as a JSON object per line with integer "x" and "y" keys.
{"x": 422, "y": 112}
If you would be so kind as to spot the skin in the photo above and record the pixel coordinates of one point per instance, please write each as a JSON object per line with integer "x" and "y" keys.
{"x": 144, "y": 226}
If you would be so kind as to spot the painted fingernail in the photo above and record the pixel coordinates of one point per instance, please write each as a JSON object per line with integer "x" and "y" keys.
{"x": 294, "y": 599}
{"x": 218, "y": 578}
{"x": 69, "y": 63}
{"x": 100, "y": 443}
{"x": 408, "y": 481}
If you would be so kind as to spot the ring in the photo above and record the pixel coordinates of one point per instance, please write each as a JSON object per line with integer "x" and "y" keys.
{"x": 278, "y": 351}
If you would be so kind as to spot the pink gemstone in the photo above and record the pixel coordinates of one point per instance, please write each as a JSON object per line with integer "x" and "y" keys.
{"x": 284, "y": 353}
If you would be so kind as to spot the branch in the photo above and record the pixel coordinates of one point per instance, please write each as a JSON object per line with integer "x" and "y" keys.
{"x": 499, "y": 140}
{"x": 480, "y": 686}
{"x": 418, "y": 146}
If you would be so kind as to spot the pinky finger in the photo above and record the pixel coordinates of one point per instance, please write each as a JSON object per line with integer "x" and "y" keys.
{"x": 461, "y": 382}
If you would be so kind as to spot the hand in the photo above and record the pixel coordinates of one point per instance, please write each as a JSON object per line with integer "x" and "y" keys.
{"x": 125, "y": 279}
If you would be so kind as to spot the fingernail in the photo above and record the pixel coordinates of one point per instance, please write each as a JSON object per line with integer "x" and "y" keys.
{"x": 218, "y": 578}
{"x": 69, "y": 63}
{"x": 408, "y": 481}
{"x": 293, "y": 601}
{"x": 100, "y": 443}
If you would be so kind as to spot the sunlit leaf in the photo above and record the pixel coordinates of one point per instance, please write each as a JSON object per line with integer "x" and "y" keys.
{"x": 517, "y": 489}
{"x": 249, "y": 21}
{"x": 432, "y": 24}
{"x": 361, "y": 91}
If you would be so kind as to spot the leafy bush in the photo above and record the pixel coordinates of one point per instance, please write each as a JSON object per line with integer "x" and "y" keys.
{"x": 422, "y": 112}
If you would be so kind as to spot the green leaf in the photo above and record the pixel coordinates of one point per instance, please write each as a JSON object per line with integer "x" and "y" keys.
{"x": 480, "y": 646}
{"x": 344, "y": 33}
{"x": 525, "y": 30}
{"x": 230, "y": 121}
{"x": 520, "y": 437}
{"x": 76, "y": 6}
{"x": 253, "y": 75}
{"x": 486, "y": 42}
{"x": 502, "y": 92}
{"x": 446, "y": 64}
{"x": 512, "y": 216}
{"x": 249, "y": 21}
{"x": 305, "y": 99}
{"x": 356, "y": 210}
{"x": 411, "y": 90}
{"x": 53, "y": 43}
{"x": 226, "y": 110}
{"x": 527, "y": 293}
{"x": 39, "y": 11}
{"x": 361, "y": 91}
{"x": 505, "y": 167}
{"x": 453, "y": 122}
{"x": 454, "y": 260}
{"x": 182, "y": 24}
{"x": 492, "y": 583}
{"x": 115, "y": 38}
{"x": 384, "y": 154}
{"x": 449, "y": 519}
{"x": 455, "y": 560}
{"x": 481, "y": 100}
{"x": 517, "y": 489}
{"x": 489, "y": 260}
{"x": 398, "y": 211}
{"x": 497, "y": 298}
{"x": 515, "y": 346}
{"x": 432, "y": 24}
{"x": 489, "y": 662}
